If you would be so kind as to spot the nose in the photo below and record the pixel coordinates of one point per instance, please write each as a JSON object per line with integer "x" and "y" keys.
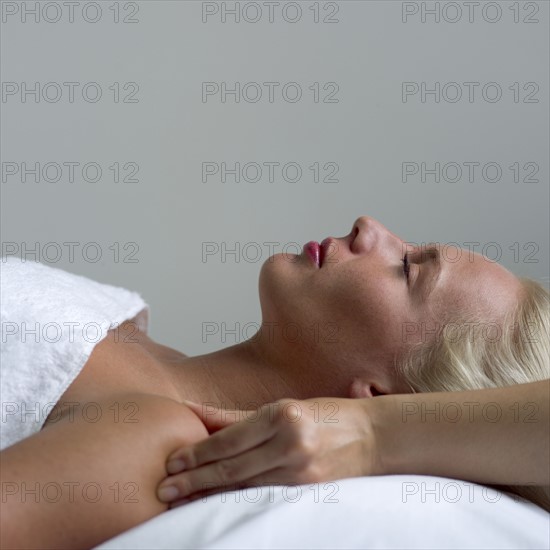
{"x": 361, "y": 224}
{"x": 367, "y": 233}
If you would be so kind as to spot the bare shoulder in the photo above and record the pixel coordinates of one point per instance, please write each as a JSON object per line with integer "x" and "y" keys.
{"x": 126, "y": 360}
{"x": 132, "y": 327}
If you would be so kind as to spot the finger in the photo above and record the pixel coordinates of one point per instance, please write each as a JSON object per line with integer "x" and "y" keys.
{"x": 260, "y": 484}
{"x": 216, "y": 418}
{"x": 231, "y": 441}
{"x": 224, "y": 472}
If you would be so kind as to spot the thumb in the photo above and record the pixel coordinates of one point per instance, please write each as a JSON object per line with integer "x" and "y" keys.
{"x": 214, "y": 418}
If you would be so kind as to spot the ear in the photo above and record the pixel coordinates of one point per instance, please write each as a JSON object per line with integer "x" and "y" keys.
{"x": 360, "y": 388}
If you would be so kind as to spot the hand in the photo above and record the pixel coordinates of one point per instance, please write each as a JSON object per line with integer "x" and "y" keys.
{"x": 284, "y": 442}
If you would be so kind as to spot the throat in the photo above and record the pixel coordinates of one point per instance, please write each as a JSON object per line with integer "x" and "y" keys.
{"x": 232, "y": 378}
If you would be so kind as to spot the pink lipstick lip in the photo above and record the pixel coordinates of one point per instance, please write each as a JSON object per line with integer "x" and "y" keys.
{"x": 313, "y": 250}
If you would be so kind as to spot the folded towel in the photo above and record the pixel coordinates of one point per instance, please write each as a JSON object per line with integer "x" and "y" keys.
{"x": 51, "y": 321}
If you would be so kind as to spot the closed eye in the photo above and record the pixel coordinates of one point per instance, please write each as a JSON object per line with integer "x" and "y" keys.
{"x": 406, "y": 266}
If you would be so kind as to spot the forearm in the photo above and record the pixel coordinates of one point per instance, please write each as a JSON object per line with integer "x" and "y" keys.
{"x": 493, "y": 436}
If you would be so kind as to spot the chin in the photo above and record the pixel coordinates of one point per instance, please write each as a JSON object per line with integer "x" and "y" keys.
{"x": 279, "y": 287}
{"x": 280, "y": 267}
{"x": 274, "y": 273}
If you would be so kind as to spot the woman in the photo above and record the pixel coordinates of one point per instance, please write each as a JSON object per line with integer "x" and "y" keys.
{"x": 338, "y": 326}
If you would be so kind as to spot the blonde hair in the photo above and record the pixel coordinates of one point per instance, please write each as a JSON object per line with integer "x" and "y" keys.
{"x": 467, "y": 354}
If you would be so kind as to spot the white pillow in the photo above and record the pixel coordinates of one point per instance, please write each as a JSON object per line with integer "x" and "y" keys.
{"x": 383, "y": 512}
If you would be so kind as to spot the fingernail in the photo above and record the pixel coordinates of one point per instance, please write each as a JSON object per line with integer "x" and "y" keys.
{"x": 175, "y": 466}
{"x": 166, "y": 494}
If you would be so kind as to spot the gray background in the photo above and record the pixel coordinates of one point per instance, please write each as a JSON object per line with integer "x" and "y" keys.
{"x": 170, "y": 131}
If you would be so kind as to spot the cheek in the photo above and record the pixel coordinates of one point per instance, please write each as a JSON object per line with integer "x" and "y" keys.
{"x": 376, "y": 305}
{"x": 362, "y": 303}
{"x": 362, "y": 292}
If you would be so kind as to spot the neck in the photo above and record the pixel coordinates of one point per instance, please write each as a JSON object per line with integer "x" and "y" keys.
{"x": 249, "y": 374}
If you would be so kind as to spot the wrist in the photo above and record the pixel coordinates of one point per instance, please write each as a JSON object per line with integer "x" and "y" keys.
{"x": 384, "y": 418}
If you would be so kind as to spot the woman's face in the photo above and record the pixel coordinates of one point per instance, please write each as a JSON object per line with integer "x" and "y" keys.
{"x": 359, "y": 309}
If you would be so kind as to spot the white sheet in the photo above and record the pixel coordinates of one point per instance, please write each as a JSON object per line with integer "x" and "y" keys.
{"x": 385, "y": 512}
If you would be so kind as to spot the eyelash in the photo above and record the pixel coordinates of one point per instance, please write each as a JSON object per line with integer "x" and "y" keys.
{"x": 406, "y": 266}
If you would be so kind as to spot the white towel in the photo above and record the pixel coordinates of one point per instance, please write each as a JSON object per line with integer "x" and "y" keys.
{"x": 51, "y": 321}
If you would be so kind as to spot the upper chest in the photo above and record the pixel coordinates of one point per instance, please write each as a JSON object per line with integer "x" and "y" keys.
{"x": 125, "y": 360}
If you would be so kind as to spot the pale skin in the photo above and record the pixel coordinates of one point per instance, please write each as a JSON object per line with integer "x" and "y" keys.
{"x": 316, "y": 440}
{"x": 361, "y": 290}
